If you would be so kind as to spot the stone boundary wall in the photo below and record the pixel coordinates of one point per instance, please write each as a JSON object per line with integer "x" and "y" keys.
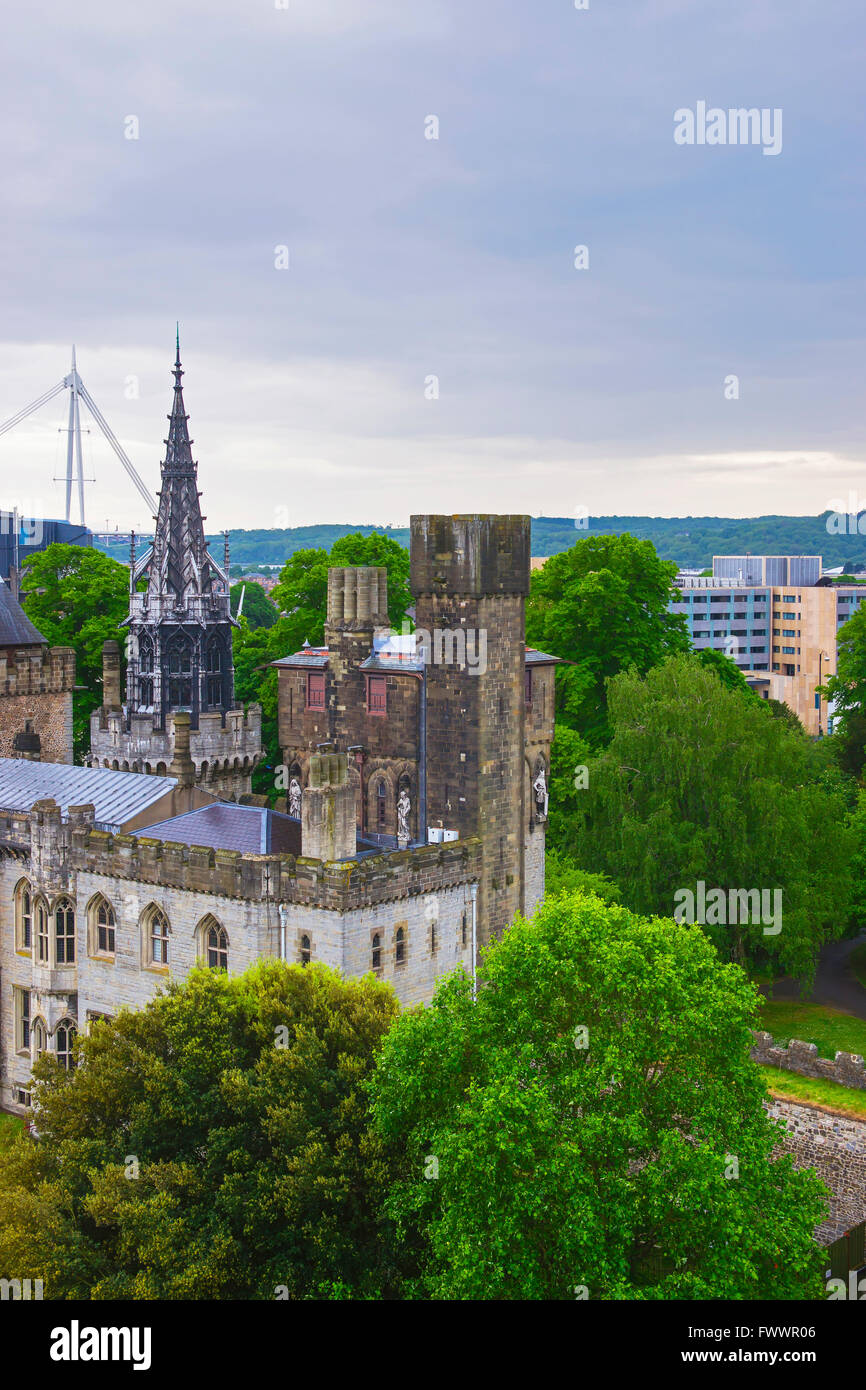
{"x": 74, "y": 845}
{"x": 835, "y": 1146}
{"x": 848, "y": 1069}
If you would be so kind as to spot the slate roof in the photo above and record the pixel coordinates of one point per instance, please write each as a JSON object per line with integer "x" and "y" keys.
{"x": 537, "y": 658}
{"x": 16, "y": 629}
{"x": 226, "y": 825}
{"x": 311, "y": 657}
{"x": 116, "y": 796}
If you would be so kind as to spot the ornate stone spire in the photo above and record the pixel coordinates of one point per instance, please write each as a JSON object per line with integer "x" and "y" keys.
{"x": 179, "y": 567}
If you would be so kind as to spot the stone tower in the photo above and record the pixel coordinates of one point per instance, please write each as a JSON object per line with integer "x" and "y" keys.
{"x": 179, "y": 651}
{"x": 470, "y": 579}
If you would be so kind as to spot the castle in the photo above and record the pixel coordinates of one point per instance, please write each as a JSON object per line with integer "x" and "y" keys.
{"x": 415, "y": 769}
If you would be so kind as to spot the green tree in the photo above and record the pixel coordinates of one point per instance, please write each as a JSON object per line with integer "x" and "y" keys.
{"x": 847, "y": 688}
{"x": 594, "y": 1122}
{"x": 78, "y": 597}
{"x": 699, "y": 784}
{"x": 258, "y": 609}
{"x": 602, "y": 606}
{"x": 727, "y": 671}
{"x": 215, "y": 1145}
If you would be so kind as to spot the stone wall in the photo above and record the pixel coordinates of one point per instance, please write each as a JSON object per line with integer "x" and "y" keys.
{"x": 835, "y": 1147}
{"x": 848, "y": 1068}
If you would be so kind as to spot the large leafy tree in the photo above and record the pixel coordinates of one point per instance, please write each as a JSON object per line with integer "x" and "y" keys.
{"x": 593, "y": 1125}
{"x": 214, "y": 1145}
{"x": 602, "y": 606}
{"x": 699, "y": 784}
{"x": 847, "y": 688}
{"x": 78, "y": 597}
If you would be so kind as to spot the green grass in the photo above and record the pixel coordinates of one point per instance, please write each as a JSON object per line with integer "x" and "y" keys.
{"x": 830, "y": 1029}
{"x": 790, "y": 1086}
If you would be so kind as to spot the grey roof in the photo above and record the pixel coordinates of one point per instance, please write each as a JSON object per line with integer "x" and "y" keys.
{"x": 536, "y": 658}
{"x": 116, "y": 796}
{"x": 315, "y": 657}
{"x": 16, "y": 629}
{"x": 226, "y": 825}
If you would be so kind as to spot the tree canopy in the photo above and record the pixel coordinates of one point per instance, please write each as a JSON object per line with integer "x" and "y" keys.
{"x": 258, "y": 609}
{"x": 699, "y": 784}
{"x": 593, "y": 1126}
{"x": 213, "y": 1145}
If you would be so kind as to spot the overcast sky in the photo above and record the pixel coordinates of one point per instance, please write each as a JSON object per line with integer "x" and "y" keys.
{"x": 410, "y": 258}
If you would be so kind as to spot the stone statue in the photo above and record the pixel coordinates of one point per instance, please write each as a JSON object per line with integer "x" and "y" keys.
{"x": 295, "y": 797}
{"x": 539, "y": 786}
{"x": 404, "y": 807}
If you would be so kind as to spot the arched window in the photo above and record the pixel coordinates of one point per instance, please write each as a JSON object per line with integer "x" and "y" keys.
{"x": 217, "y": 943}
{"x": 66, "y": 1031}
{"x": 157, "y": 933}
{"x": 214, "y": 659}
{"x": 41, "y": 924}
{"x": 39, "y": 1038}
{"x": 376, "y": 953}
{"x": 145, "y": 670}
{"x": 381, "y": 806}
{"x": 23, "y": 917}
{"x": 103, "y": 927}
{"x": 64, "y": 932}
{"x": 306, "y": 950}
{"x": 400, "y": 946}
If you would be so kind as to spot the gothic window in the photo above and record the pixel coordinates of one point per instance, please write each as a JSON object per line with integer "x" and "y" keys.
{"x": 306, "y": 950}
{"x": 64, "y": 932}
{"x": 315, "y": 690}
{"x": 376, "y": 952}
{"x": 180, "y": 675}
{"x": 156, "y": 935}
{"x": 400, "y": 947}
{"x": 39, "y": 1039}
{"x": 64, "y": 1040}
{"x": 216, "y": 943}
{"x": 214, "y": 659}
{"x": 41, "y": 914}
{"x": 22, "y": 1019}
{"x": 145, "y": 669}
{"x": 381, "y": 806}
{"x": 103, "y": 925}
{"x": 24, "y": 917}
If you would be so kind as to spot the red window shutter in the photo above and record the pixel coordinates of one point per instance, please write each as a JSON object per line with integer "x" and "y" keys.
{"x": 316, "y": 690}
{"x": 377, "y": 695}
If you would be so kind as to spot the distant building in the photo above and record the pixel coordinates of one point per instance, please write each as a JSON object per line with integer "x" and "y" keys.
{"x": 21, "y": 537}
{"x": 776, "y": 618}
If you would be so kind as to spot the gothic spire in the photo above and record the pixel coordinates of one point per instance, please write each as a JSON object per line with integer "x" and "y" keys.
{"x": 179, "y": 566}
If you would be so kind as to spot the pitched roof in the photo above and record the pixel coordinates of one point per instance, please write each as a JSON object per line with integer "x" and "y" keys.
{"x": 116, "y": 796}
{"x": 16, "y": 629}
{"x": 226, "y": 825}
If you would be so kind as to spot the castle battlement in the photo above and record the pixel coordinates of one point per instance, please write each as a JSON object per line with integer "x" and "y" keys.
{"x": 36, "y": 670}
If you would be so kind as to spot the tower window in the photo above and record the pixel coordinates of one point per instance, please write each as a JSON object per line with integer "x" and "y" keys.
{"x": 306, "y": 950}
{"x": 400, "y": 946}
{"x": 42, "y": 933}
{"x": 316, "y": 690}
{"x": 25, "y": 918}
{"x": 376, "y": 953}
{"x": 381, "y": 807}
{"x": 65, "y": 1039}
{"x": 377, "y": 695}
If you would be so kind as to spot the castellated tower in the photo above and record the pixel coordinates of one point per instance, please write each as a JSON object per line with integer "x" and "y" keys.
{"x": 179, "y": 650}
{"x": 470, "y": 578}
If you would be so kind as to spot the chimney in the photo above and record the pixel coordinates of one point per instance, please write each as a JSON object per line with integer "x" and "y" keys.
{"x": 181, "y": 766}
{"x": 328, "y": 810}
{"x": 110, "y": 675}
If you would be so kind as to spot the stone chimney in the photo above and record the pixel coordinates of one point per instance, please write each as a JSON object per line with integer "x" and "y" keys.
{"x": 328, "y": 810}
{"x": 110, "y": 675}
{"x": 181, "y": 766}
